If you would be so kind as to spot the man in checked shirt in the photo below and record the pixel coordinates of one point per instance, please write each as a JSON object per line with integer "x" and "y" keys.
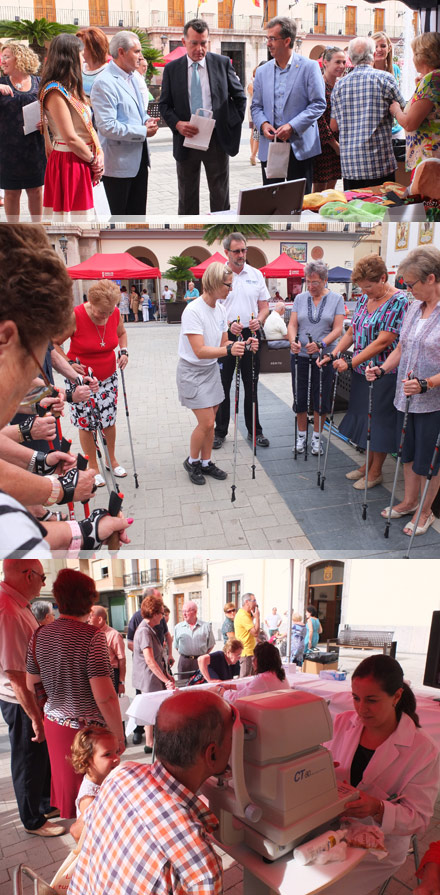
{"x": 147, "y": 831}
{"x": 360, "y": 112}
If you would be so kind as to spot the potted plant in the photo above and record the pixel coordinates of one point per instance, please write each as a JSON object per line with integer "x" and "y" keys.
{"x": 179, "y": 272}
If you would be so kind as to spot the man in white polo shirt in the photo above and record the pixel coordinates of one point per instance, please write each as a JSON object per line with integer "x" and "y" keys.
{"x": 247, "y": 307}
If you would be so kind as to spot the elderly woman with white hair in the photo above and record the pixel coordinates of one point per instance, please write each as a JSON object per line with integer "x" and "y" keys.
{"x": 22, "y": 157}
{"x": 418, "y": 352}
{"x": 319, "y": 313}
{"x": 203, "y": 341}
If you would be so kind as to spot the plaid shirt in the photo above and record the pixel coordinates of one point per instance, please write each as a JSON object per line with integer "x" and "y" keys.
{"x": 360, "y": 104}
{"x": 147, "y": 833}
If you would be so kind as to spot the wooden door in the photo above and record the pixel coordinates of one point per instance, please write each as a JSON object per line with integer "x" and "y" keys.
{"x": 98, "y": 12}
{"x": 179, "y": 600}
{"x": 350, "y": 20}
{"x": 320, "y": 18}
{"x": 379, "y": 20}
{"x": 45, "y": 9}
{"x": 176, "y": 13}
{"x": 225, "y": 14}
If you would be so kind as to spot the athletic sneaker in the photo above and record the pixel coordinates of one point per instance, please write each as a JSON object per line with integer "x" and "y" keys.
{"x": 315, "y": 447}
{"x": 300, "y": 443}
{"x": 194, "y": 471}
{"x": 214, "y": 471}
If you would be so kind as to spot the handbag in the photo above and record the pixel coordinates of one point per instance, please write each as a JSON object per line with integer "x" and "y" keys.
{"x": 63, "y": 876}
{"x": 277, "y": 160}
{"x": 40, "y": 693}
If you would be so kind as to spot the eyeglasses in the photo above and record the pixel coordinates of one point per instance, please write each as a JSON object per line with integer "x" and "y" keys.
{"x": 43, "y": 577}
{"x": 410, "y": 286}
{"x": 229, "y": 285}
{"x": 271, "y": 40}
{"x": 228, "y": 611}
{"x": 238, "y": 251}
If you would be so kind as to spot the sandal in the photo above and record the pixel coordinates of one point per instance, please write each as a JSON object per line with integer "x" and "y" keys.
{"x": 53, "y": 516}
{"x": 421, "y": 529}
{"x": 395, "y": 514}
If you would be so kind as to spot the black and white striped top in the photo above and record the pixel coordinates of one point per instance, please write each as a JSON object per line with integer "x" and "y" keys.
{"x": 20, "y": 533}
{"x": 68, "y": 654}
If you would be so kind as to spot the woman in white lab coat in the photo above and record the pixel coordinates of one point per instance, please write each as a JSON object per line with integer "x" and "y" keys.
{"x": 395, "y": 765}
{"x": 268, "y": 674}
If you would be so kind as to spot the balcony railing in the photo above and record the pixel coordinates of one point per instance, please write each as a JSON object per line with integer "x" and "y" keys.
{"x": 151, "y": 576}
{"x": 81, "y": 17}
{"x": 335, "y": 28}
{"x": 133, "y": 579}
{"x": 182, "y": 568}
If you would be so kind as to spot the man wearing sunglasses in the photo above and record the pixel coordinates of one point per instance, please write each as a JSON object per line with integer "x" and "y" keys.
{"x": 30, "y": 768}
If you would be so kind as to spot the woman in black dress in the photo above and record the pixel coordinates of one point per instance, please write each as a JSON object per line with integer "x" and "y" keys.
{"x": 22, "y": 157}
{"x": 327, "y": 166}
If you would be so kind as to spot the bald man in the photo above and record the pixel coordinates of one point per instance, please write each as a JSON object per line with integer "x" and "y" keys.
{"x": 274, "y": 327}
{"x": 115, "y": 643}
{"x": 147, "y": 830}
{"x": 30, "y": 768}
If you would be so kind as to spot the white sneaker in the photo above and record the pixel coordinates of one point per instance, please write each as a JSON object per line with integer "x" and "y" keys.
{"x": 316, "y": 447}
{"x": 300, "y": 444}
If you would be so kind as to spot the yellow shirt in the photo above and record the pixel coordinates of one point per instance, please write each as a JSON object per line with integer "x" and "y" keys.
{"x": 243, "y": 625}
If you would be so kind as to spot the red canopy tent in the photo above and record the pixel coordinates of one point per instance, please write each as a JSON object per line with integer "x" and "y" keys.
{"x": 283, "y": 266}
{"x": 170, "y": 57}
{"x": 199, "y": 269}
{"x": 117, "y": 266}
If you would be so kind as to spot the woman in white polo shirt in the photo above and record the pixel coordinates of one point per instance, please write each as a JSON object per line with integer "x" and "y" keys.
{"x": 203, "y": 339}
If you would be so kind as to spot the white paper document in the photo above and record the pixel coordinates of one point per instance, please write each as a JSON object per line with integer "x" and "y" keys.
{"x": 205, "y": 124}
{"x": 31, "y": 117}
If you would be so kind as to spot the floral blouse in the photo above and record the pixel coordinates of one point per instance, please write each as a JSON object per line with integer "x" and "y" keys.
{"x": 425, "y": 141}
{"x": 420, "y": 341}
{"x": 366, "y": 327}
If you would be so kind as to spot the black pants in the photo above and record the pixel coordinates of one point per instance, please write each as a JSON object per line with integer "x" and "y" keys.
{"x": 227, "y": 370}
{"x": 295, "y": 171}
{"x": 216, "y": 164}
{"x": 30, "y": 767}
{"x": 351, "y": 184}
{"x": 128, "y": 195}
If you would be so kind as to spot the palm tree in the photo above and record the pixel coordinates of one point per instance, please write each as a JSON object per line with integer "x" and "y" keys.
{"x": 150, "y": 53}
{"x": 180, "y": 272}
{"x": 217, "y": 232}
{"x": 37, "y": 33}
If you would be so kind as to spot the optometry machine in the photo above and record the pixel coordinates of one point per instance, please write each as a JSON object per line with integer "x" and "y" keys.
{"x": 283, "y": 787}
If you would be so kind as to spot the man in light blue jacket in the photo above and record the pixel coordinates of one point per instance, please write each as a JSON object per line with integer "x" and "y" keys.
{"x": 288, "y": 99}
{"x": 123, "y": 127}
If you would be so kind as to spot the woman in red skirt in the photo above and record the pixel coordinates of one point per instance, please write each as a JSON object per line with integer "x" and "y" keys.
{"x": 75, "y": 158}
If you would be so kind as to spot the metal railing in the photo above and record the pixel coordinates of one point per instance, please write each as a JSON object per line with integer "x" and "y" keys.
{"x": 132, "y": 579}
{"x": 180, "y": 568}
{"x": 151, "y": 576}
{"x": 338, "y": 29}
{"x": 81, "y": 17}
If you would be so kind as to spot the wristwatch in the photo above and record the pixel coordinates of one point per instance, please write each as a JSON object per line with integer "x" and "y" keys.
{"x": 123, "y": 351}
{"x": 423, "y": 385}
{"x": 381, "y": 373}
{"x": 229, "y": 349}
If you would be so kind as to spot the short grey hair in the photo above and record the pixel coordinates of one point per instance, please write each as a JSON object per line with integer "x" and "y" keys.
{"x": 41, "y": 608}
{"x": 361, "y": 50}
{"x": 148, "y": 592}
{"x": 233, "y": 237}
{"x": 287, "y": 26}
{"x": 246, "y": 597}
{"x": 214, "y": 277}
{"x": 422, "y": 262}
{"x": 123, "y": 40}
{"x": 317, "y": 267}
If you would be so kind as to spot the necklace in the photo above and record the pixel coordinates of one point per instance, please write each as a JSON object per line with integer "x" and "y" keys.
{"x": 314, "y": 314}
{"x": 100, "y": 337}
{"x": 20, "y": 84}
{"x": 380, "y": 297}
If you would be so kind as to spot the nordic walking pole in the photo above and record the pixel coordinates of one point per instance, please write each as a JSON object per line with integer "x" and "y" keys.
{"x": 367, "y": 459}
{"x": 309, "y": 394}
{"x": 423, "y": 497}
{"x": 254, "y": 411}
{"x": 237, "y": 397}
{"x": 65, "y": 445}
{"x": 295, "y": 452}
{"x": 386, "y": 533}
{"x": 82, "y": 463}
{"x": 321, "y": 350}
{"x": 100, "y": 431}
{"x": 128, "y": 424}
{"x": 332, "y": 411}
{"x": 114, "y": 507}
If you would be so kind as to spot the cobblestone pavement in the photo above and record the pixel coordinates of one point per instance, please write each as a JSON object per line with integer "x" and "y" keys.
{"x": 46, "y": 855}
{"x": 281, "y": 510}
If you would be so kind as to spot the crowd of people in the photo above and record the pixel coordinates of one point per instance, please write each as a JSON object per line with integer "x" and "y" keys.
{"x": 59, "y": 699}
{"x": 336, "y": 115}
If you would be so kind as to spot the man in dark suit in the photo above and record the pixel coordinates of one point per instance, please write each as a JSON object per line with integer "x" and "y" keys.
{"x": 202, "y": 80}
